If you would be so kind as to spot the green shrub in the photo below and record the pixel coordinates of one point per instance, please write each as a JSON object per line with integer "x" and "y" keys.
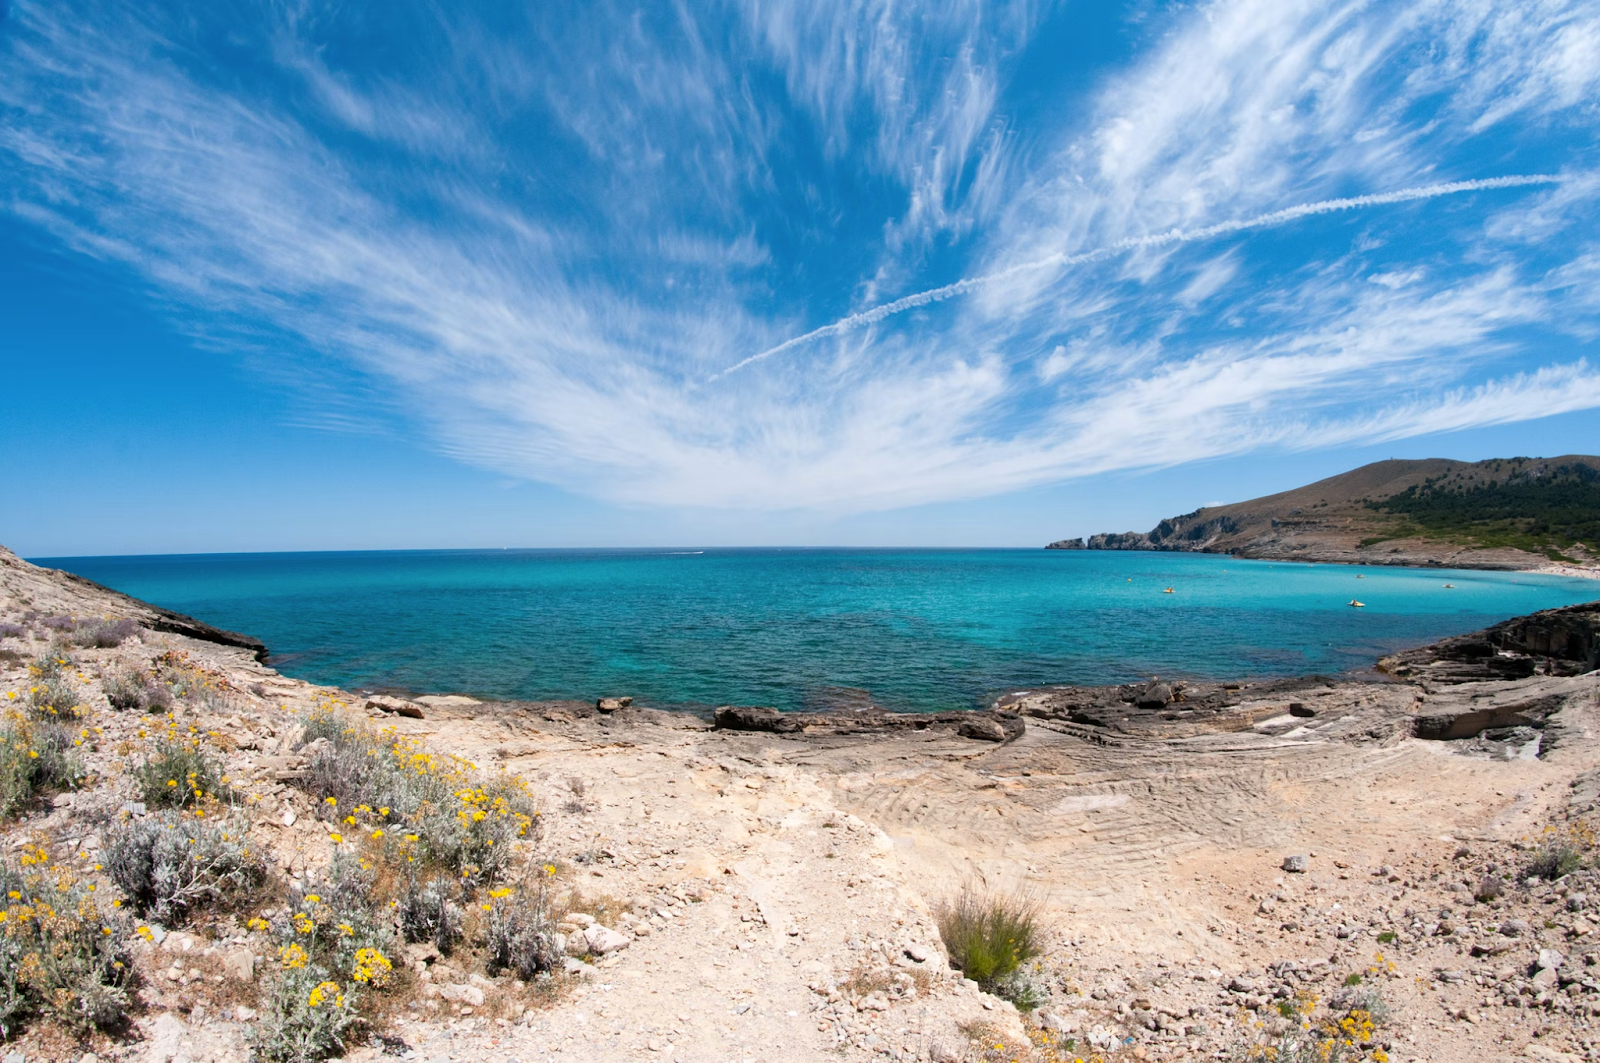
{"x": 308, "y": 1017}
{"x": 104, "y": 634}
{"x": 449, "y": 816}
{"x": 169, "y": 864}
{"x": 51, "y": 695}
{"x": 36, "y": 758}
{"x": 521, "y": 933}
{"x": 61, "y": 957}
{"x": 333, "y": 920}
{"x": 989, "y": 936}
{"x": 426, "y": 912}
{"x": 138, "y": 690}
{"x": 178, "y": 772}
{"x": 1556, "y": 858}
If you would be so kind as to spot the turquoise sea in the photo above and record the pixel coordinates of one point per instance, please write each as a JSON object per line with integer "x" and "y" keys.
{"x": 919, "y": 629}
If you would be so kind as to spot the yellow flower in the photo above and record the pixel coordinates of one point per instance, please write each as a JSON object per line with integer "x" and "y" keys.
{"x": 293, "y": 956}
{"x": 259, "y": 923}
{"x": 338, "y": 838}
{"x": 313, "y": 898}
{"x": 320, "y": 993}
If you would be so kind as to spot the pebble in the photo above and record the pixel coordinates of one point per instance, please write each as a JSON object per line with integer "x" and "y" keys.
{"x": 1298, "y": 864}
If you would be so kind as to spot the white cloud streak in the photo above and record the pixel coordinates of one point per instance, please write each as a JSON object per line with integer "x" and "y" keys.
{"x": 544, "y": 259}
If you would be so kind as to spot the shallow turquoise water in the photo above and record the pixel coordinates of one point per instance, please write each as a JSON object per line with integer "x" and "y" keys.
{"x": 920, "y": 629}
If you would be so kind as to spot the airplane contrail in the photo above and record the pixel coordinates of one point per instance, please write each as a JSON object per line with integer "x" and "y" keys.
{"x": 1171, "y": 236}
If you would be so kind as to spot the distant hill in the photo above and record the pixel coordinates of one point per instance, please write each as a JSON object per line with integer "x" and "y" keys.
{"x": 1509, "y": 513}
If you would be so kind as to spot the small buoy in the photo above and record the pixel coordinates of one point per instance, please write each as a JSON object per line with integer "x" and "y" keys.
{"x": 1167, "y": 591}
{"x": 1357, "y": 605}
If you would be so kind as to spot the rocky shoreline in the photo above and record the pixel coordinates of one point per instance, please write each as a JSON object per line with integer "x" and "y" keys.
{"x": 1218, "y": 865}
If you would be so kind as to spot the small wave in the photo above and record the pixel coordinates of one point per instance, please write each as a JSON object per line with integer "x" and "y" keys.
{"x": 683, "y": 553}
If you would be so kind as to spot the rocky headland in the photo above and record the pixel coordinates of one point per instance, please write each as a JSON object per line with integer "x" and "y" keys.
{"x": 1516, "y": 513}
{"x": 1401, "y": 866}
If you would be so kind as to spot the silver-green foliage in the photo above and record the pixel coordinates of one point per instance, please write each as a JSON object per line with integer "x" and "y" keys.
{"x": 169, "y": 864}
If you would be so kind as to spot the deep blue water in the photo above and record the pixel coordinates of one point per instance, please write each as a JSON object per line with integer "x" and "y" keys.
{"x": 920, "y": 629}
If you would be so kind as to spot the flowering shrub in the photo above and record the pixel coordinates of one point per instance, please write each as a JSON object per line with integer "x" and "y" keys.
{"x": 522, "y": 935}
{"x": 434, "y": 810}
{"x": 308, "y": 1016}
{"x": 1344, "y": 1034}
{"x": 35, "y": 758}
{"x": 170, "y": 863}
{"x": 60, "y": 955}
{"x": 51, "y": 695}
{"x": 333, "y": 923}
{"x": 178, "y": 772}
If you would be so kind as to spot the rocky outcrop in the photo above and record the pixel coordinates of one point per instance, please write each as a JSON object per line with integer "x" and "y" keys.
{"x": 983, "y": 726}
{"x": 105, "y": 601}
{"x": 1556, "y": 642}
{"x": 1066, "y": 544}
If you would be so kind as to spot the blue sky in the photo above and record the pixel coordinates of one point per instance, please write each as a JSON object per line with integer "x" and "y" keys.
{"x": 297, "y": 276}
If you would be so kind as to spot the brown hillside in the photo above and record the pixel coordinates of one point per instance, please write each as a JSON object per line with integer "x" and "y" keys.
{"x": 1330, "y": 520}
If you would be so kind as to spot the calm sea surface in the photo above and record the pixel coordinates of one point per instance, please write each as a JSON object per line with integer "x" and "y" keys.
{"x": 919, "y": 629}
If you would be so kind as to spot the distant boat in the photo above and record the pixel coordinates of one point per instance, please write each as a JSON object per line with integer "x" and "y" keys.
{"x": 1449, "y": 586}
{"x": 1357, "y": 605}
{"x": 1360, "y": 576}
{"x": 1167, "y": 591}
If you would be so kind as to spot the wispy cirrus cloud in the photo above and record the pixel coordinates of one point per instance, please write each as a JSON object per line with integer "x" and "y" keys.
{"x": 544, "y": 239}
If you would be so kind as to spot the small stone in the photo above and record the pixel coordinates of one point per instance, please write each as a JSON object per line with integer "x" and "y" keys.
{"x": 1513, "y": 928}
{"x": 917, "y": 953}
{"x": 612, "y": 704}
{"x": 240, "y": 965}
{"x": 244, "y": 1014}
{"x": 1547, "y": 978}
{"x": 603, "y": 940}
{"x": 578, "y": 919}
{"x": 1297, "y": 865}
{"x": 15, "y": 1057}
{"x": 1551, "y": 958}
{"x": 88, "y": 1057}
{"x": 288, "y": 817}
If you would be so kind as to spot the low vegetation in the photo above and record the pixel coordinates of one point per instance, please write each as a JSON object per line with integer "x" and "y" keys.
{"x": 1541, "y": 514}
{"x": 170, "y": 863}
{"x": 991, "y": 937}
{"x": 37, "y": 759}
{"x": 178, "y": 771}
{"x": 52, "y": 694}
{"x": 61, "y": 955}
{"x": 137, "y": 690}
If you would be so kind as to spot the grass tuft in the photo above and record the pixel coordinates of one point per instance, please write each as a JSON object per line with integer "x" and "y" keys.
{"x": 991, "y": 936}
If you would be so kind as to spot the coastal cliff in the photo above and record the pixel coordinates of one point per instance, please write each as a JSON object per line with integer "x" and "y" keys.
{"x": 1511, "y": 513}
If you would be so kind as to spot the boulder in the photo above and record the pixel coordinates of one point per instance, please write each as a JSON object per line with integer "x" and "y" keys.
{"x": 603, "y": 940}
{"x": 1155, "y": 695}
{"x": 983, "y": 729}
{"x": 395, "y": 706}
{"x": 754, "y": 718}
{"x": 1298, "y": 864}
{"x": 612, "y": 704}
{"x": 470, "y": 995}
